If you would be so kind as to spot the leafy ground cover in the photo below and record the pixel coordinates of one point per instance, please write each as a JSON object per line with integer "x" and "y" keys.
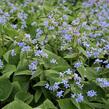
{"x": 54, "y": 54}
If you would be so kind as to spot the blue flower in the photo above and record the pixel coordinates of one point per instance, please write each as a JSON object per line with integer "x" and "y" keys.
{"x": 21, "y": 44}
{"x": 13, "y": 53}
{"x": 66, "y": 86}
{"x": 91, "y": 93}
{"x": 56, "y": 86}
{"x": 68, "y": 71}
{"x": 14, "y": 26}
{"x": 76, "y": 22}
{"x": 88, "y": 53}
{"x": 64, "y": 24}
{"x": 68, "y": 37}
{"x": 64, "y": 31}
{"x": 22, "y": 16}
{"x": 107, "y": 66}
{"x": 77, "y": 65}
{"x": 102, "y": 82}
{"x": 98, "y": 61}
{"x": 41, "y": 53}
{"x": 27, "y": 36}
{"x": 51, "y": 28}
{"x": 23, "y": 24}
{"x": 79, "y": 98}
{"x": 106, "y": 47}
{"x": 46, "y": 23}
{"x": 39, "y": 32}
{"x": 14, "y": 8}
{"x": 50, "y": 88}
{"x": 64, "y": 81}
{"x": 38, "y": 53}
{"x": 65, "y": 17}
{"x": 25, "y": 49}
{"x": 96, "y": 54}
{"x": 60, "y": 93}
{"x": 33, "y": 66}
{"x": 1, "y": 64}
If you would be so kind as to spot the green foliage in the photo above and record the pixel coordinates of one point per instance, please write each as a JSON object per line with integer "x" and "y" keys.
{"x": 24, "y": 96}
{"x": 66, "y": 103}
{"x": 17, "y": 104}
{"x": 47, "y": 105}
{"x": 5, "y": 88}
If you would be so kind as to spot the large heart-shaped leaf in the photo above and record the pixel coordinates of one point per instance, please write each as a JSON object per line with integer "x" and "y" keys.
{"x": 17, "y": 104}
{"x": 47, "y": 105}
{"x": 5, "y": 88}
{"x": 8, "y": 70}
{"x": 24, "y": 96}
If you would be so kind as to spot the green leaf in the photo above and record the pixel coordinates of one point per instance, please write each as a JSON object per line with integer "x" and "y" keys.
{"x": 82, "y": 71}
{"x": 37, "y": 95}
{"x": 52, "y": 75}
{"x": 5, "y": 88}
{"x": 91, "y": 73}
{"x": 37, "y": 73}
{"x": 71, "y": 56}
{"x": 16, "y": 88}
{"x": 88, "y": 72}
{"x": 6, "y": 56}
{"x": 48, "y": 105}
{"x": 66, "y": 104}
{"x": 24, "y": 72}
{"x": 75, "y": 103}
{"x": 41, "y": 83}
{"x": 1, "y": 28}
{"x": 24, "y": 96}
{"x": 85, "y": 106}
{"x": 23, "y": 81}
{"x": 97, "y": 105}
{"x": 22, "y": 65}
{"x": 11, "y": 59}
{"x": 17, "y": 104}
{"x": 60, "y": 60}
{"x": 106, "y": 103}
{"x": 10, "y": 31}
{"x": 60, "y": 68}
{"x": 37, "y": 108}
{"x": 81, "y": 50}
{"x": 8, "y": 70}
{"x": 1, "y": 51}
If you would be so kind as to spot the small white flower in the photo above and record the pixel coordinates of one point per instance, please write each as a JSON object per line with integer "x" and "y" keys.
{"x": 27, "y": 36}
{"x": 53, "y": 61}
{"x": 13, "y": 53}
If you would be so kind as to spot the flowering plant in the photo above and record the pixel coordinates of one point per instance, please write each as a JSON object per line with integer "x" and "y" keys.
{"x": 54, "y": 54}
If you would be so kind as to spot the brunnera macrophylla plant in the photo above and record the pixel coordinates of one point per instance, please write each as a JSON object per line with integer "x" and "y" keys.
{"x": 54, "y": 54}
